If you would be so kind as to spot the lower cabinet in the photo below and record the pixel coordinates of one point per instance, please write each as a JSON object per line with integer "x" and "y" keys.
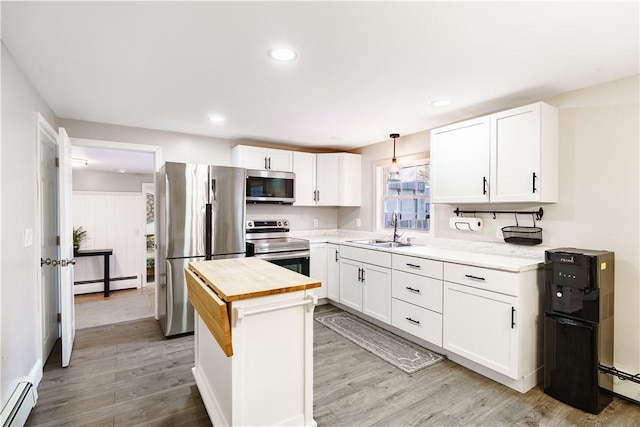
{"x": 480, "y": 325}
{"x": 492, "y": 318}
{"x": 366, "y": 287}
{"x": 333, "y": 272}
{"x": 418, "y": 321}
{"x": 318, "y": 267}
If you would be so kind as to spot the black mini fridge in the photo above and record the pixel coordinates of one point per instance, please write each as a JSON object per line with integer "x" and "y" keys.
{"x": 578, "y": 327}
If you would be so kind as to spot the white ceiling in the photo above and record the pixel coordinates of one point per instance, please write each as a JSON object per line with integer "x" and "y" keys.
{"x": 107, "y": 160}
{"x": 364, "y": 69}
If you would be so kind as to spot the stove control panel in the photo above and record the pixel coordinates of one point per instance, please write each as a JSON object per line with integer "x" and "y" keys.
{"x": 271, "y": 224}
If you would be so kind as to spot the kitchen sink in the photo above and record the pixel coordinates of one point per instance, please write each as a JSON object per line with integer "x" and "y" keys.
{"x": 381, "y": 243}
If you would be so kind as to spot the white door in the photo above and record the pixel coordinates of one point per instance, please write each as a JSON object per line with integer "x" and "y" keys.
{"x": 47, "y": 198}
{"x": 460, "y": 162}
{"x": 351, "y": 284}
{"x": 304, "y": 166}
{"x": 328, "y": 179}
{"x": 376, "y": 296}
{"x": 482, "y": 326}
{"x": 280, "y": 160}
{"x": 333, "y": 272}
{"x": 65, "y": 220}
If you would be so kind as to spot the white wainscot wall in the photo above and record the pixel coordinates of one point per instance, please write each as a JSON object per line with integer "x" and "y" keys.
{"x": 112, "y": 221}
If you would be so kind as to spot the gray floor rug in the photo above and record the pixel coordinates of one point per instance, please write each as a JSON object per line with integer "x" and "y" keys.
{"x": 402, "y": 354}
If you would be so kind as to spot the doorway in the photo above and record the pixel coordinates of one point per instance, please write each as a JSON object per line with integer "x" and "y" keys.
{"x": 117, "y": 170}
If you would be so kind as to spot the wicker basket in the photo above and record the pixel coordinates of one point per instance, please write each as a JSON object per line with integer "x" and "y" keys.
{"x": 522, "y": 235}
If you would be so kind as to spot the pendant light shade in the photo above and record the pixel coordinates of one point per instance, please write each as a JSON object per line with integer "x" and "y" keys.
{"x": 394, "y": 170}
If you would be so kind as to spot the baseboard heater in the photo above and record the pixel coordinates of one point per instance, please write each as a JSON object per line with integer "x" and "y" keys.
{"x": 19, "y": 406}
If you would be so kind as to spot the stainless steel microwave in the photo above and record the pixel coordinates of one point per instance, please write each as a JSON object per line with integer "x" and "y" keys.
{"x": 270, "y": 186}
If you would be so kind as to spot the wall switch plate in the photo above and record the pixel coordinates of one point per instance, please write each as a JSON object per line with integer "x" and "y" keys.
{"x": 28, "y": 237}
{"x": 358, "y": 222}
{"x": 315, "y": 222}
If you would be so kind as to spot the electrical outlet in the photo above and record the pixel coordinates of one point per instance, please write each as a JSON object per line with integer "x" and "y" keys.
{"x": 315, "y": 222}
{"x": 358, "y": 222}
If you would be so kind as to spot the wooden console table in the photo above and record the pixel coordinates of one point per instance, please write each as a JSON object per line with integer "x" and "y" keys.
{"x": 106, "y": 253}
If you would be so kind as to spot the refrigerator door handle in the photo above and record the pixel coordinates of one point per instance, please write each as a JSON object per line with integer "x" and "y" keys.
{"x": 214, "y": 196}
{"x": 207, "y": 239}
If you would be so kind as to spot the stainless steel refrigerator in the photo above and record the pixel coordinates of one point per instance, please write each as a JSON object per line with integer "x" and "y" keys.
{"x": 200, "y": 214}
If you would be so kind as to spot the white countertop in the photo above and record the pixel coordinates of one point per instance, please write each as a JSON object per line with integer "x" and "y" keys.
{"x": 497, "y": 256}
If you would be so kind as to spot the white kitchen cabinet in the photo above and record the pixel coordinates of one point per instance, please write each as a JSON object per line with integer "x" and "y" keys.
{"x": 492, "y": 323}
{"x": 460, "y": 155}
{"x": 261, "y": 158}
{"x": 327, "y": 179}
{"x": 416, "y": 289}
{"x": 524, "y": 149}
{"x": 481, "y": 326}
{"x": 365, "y": 281}
{"x": 318, "y": 267}
{"x": 333, "y": 272}
{"x": 511, "y": 156}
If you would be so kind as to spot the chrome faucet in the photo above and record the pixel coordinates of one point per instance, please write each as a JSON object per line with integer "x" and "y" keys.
{"x": 394, "y": 218}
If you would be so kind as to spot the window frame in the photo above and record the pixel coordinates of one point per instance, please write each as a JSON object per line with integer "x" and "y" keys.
{"x": 380, "y": 185}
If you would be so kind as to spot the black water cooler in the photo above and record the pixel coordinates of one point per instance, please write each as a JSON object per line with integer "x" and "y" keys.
{"x": 578, "y": 328}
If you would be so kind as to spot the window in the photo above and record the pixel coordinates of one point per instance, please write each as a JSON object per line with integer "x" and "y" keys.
{"x": 409, "y": 197}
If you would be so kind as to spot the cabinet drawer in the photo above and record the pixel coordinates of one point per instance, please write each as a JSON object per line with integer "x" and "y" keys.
{"x": 421, "y": 266}
{"x": 422, "y": 291}
{"x": 369, "y": 256}
{"x": 417, "y": 321}
{"x": 483, "y": 278}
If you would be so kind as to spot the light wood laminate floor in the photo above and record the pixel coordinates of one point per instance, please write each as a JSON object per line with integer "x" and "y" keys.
{"x": 128, "y": 374}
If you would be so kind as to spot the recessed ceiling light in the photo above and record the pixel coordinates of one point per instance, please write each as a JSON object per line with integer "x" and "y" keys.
{"x": 336, "y": 138}
{"x": 441, "y": 102}
{"x": 79, "y": 162}
{"x": 282, "y": 54}
{"x": 122, "y": 171}
{"x": 215, "y": 118}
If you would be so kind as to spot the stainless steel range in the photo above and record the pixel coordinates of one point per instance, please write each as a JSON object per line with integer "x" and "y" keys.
{"x": 269, "y": 240}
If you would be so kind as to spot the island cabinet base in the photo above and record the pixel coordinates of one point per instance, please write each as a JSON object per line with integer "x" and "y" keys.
{"x": 269, "y": 378}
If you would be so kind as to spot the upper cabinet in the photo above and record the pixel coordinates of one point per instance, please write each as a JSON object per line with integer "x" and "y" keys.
{"x": 262, "y": 158}
{"x": 460, "y": 157}
{"x": 331, "y": 179}
{"x": 511, "y": 156}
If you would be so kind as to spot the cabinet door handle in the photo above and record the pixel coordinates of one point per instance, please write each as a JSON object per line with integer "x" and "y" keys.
{"x": 414, "y": 266}
{"x": 265, "y": 163}
{"x": 359, "y": 275}
{"x": 336, "y": 256}
{"x": 363, "y": 275}
{"x": 473, "y": 277}
{"x": 415, "y": 322}
{"x": 533, "y": 184}
{"x": 269, "y": 162}
{"x": 484, "y": 185}
{"x": 318, "y": 193}
{"x": 412, "y": 290}
{"x": 513, "y": 317}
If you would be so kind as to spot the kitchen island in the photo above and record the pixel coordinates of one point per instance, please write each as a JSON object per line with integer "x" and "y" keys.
{"x": 253, "y": 341}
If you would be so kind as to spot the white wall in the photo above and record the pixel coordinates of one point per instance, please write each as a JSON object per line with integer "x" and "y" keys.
{"x": 88, "y": 180}
{"x": 20, "y": 331}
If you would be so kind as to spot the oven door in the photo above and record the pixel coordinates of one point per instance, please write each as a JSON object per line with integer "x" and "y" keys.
{"x": 295, "y": 261}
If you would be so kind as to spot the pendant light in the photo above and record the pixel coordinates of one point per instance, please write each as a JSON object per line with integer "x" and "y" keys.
{"x": 394, "y": 170}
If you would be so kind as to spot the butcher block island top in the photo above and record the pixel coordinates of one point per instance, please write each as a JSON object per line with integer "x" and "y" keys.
{"x": 240, "y": 278}
{"x": 253, "y": 341}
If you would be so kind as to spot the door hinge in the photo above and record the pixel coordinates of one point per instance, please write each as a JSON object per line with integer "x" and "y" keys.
{"x": 58, "y": 240}
{"x": 57, "y": 162}
{"x": 59, "y": 317}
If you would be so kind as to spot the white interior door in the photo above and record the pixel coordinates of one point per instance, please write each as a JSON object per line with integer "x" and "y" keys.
{"x": 65, "y": 221}
{"x": 48, "y": 231}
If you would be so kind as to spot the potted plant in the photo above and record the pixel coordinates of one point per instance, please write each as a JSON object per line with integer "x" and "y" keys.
{"x": 79, "y": 236}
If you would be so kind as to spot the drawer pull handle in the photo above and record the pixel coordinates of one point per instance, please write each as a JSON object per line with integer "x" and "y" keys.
{"x": 513, "y": 317}
{"x": 415, "y": 322}
{"x": 473, "y": 277}
{"x": 413, "y": 265}
{"x": 411, "y": 289}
